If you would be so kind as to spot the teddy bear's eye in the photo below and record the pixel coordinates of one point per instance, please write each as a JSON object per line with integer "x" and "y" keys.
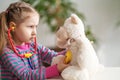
{"x": 72, "y": 40}
{"x": 67, "y": 38}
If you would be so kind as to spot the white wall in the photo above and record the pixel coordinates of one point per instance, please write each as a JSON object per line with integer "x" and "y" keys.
{"x": 102, "y": 15}
{"x": 5, "y": 3}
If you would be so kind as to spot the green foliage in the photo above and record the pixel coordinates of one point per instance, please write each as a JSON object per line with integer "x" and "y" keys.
{"x": 89, "y": 34}
{"x": 54, "y": 12}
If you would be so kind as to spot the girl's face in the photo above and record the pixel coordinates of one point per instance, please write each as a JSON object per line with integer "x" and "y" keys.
{"x": 26, "y": 31}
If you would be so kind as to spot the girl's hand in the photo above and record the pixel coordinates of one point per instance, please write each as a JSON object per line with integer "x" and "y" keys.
{"x": 61, "y": 65}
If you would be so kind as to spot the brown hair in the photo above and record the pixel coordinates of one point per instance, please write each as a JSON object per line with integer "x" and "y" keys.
{"x": 15, "y": 13}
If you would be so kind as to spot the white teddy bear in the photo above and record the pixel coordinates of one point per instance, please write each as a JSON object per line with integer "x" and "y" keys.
{"x": 84, "y": 61}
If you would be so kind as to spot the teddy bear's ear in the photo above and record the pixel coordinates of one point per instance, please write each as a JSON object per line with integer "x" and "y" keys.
{"x": 73, "y": 19}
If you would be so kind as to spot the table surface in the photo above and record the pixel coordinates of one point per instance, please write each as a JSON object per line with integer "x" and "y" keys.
{"x": 109, "y": 73}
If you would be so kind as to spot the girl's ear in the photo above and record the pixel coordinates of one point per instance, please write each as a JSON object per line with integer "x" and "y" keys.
{"x": 12, "y": 25}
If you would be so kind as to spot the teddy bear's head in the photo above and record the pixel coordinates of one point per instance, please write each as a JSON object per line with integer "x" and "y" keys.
{"x": 72, "y": 29}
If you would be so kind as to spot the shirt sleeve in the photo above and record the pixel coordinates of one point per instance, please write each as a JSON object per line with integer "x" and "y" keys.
{"x": 62, "y": 52}
{"x": 52, "y": 71}
{"x": 17, "y": 67}
{"x": 46, "y": 54}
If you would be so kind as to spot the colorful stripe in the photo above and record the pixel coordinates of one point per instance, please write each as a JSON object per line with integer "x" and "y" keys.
{"x": 13, "y": 67}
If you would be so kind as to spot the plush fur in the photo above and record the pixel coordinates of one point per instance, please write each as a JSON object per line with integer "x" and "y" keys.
{"x": 84, "y": 62}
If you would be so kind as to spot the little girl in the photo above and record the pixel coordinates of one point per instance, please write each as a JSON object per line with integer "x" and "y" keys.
{"x": 21, "y": 57}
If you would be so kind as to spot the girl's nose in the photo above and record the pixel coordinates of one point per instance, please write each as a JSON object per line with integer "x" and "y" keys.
{"x": 34, "y": 32}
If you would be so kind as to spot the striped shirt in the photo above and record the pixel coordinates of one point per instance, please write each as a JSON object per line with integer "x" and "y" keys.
{"x": 13, "y": 67}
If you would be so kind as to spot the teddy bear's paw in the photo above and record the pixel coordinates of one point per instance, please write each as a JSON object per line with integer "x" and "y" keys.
{"x": 56, "y": 59}
{"x": 75, "y": 73}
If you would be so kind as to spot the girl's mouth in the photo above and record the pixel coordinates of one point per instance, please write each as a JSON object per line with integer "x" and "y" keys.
{"x": 32, "y": 38}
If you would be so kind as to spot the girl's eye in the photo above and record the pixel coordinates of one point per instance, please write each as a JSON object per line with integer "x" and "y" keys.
{"x": 32, "y": 26}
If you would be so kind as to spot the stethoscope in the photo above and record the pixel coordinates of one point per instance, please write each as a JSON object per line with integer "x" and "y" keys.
{"x": 30, "y": 64}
